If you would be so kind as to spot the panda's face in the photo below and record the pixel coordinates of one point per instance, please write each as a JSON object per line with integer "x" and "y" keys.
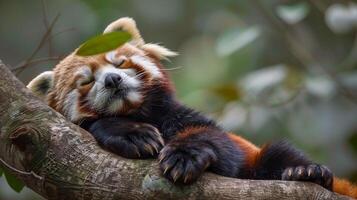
{"x": 117, "y": 85}
{"x": 114, "y": 83}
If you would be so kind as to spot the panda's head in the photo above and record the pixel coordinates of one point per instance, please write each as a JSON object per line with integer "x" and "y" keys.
{"x": 113, "y": 83}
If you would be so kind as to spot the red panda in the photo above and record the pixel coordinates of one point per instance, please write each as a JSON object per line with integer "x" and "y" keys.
{"x": 126, "y": 100}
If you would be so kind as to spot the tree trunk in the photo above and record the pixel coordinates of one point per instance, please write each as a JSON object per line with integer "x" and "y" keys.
{"x": 59, "y": 160}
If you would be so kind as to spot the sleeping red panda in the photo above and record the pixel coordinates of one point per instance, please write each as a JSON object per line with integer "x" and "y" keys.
{"x": 126, "y": 100}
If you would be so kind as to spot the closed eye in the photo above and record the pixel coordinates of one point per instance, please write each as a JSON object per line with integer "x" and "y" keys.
{"x": 120, "y": 63}
{"x": 86, "y": 81}
{"x": 83, "y": 76}
{"x": 112, "y": 58}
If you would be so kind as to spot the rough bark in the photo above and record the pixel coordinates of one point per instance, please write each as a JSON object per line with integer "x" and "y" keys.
{"x": 59, "y": 160}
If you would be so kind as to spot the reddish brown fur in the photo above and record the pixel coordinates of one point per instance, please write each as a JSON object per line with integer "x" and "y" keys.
{"x": 191, "y": 130}
{"x": 344, "y": 187}
{"x": 251, "y": 151}
{"x": 65, "y": 81}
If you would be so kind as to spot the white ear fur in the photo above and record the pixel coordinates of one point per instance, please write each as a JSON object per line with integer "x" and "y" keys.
{"x": 126, "y": 24}
{"x": 41, "y": 84}
{"x": 158, "y": 51}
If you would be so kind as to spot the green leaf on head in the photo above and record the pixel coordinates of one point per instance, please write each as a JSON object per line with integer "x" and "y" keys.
{"x": 103, "y": 43}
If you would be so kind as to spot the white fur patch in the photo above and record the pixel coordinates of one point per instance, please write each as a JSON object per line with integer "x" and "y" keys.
{"x": 85, "y": 74}
{"x": 98, "y": 96}
{"x": 43, "y": 78}
{"x": 158, "y": 51}
{"x": 134, "y": 97}
{"x": 129, "y": 72}
{"x": 147, "y": 65}
{"x": 115, "y": 106}
{"x": 127, "y": 80}
{"x": 70, "y": 106}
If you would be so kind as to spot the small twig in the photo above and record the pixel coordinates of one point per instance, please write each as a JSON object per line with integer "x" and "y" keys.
{"x": 62, "y": 31}
{"x": 31, "y": 173}
{"x": 45, "y": 21}
{"x": 42, "y": 42}
{"x": 34, "y": 61}
{"x": 172, "y": 69}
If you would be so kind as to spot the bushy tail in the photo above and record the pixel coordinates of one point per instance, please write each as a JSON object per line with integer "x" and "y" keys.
{"x": 344, "y": 187}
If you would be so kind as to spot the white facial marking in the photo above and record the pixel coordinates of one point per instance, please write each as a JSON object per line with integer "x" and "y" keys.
{"x": 84, "y": 71}
{"x": 101, "y": 98}
{"x": 98, "y": 96}
{"x": 128, "y": 81}
{"x": 115, "y": 106}
{"x": 85, "y": 74}
{"x": 129, "y": 72}
{"x": 134, "y": 97}
{"x": 147, "y": 65}
{"x": 71, "y": 107}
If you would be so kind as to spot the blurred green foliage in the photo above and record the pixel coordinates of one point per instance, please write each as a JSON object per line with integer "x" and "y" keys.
{"x": 266, "y": 69}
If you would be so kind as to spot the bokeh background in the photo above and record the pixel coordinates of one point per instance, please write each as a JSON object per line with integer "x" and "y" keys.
{"x": 265, "y": 69}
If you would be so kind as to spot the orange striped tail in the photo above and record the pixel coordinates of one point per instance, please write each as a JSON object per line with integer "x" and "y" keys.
{"x": 344, "y": 187}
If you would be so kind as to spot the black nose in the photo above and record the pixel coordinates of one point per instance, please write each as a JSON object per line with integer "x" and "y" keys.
{"x": 112, "y": 81}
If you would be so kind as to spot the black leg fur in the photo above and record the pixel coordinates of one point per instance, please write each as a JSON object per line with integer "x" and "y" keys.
{"x": 183, "y": 160}
{"x": 281, "y": 161}
{"x": 126, "y": 138}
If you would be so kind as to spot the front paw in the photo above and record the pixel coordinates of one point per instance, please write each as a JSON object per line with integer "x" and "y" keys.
{"x": 137, "y": 141}
{"x": 318, "y": 174}
{"x": 184, "y": 162}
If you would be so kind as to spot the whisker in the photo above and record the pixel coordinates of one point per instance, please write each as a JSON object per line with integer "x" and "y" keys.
{"x": 172, "y": 69}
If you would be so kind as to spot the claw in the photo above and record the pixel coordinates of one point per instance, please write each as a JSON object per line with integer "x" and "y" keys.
{"x": 155, "y": 147}
{"x": 148, "y": 148}
{"x": 188, "y": 176}
{"x": 290, "y": 172}
{"x": 175, "y": 176}
{"x": 167, "y": 168}
{"x": 161, "y": 141}
{"x": 161, "y": 158}
{"x": 137, "y": 152}
{"x": 157, "y": 131}
{"x": 309, "y": 172}
{"x": 185, "y": 180}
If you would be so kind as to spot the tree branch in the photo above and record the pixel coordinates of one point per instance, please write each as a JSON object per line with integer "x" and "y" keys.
{"x": 59, "y": 160}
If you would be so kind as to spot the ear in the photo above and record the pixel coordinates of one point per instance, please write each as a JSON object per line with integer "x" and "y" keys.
{"x": 158, "y": 51}
{"x": 41, "y": 85}
{"x": 126, "y": 24}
